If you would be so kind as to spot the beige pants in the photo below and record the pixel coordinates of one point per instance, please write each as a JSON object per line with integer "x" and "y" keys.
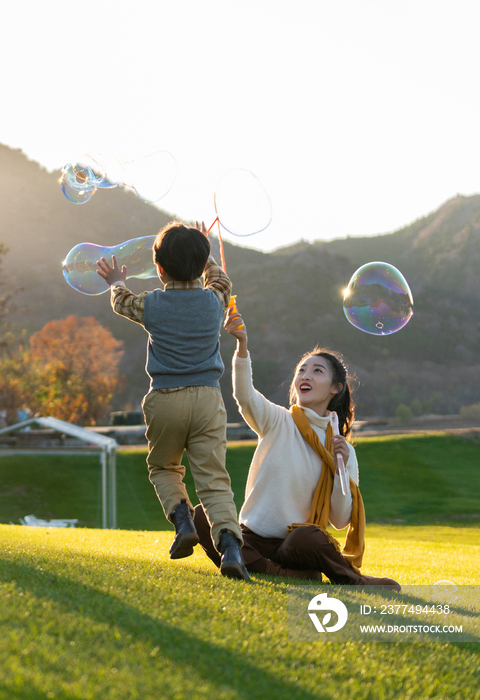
{"x": 191, "y": 419}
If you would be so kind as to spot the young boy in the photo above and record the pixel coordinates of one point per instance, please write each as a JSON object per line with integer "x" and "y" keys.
{"x": 184, "y": 408}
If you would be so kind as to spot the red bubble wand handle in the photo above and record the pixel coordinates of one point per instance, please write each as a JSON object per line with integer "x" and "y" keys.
{"x": 231, "y": 304}
{"x": 220, "y": 242}
{"x": 339, "y": 463}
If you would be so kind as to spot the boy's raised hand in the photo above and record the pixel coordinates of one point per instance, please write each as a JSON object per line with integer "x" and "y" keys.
{"x": 202, "y": 228}
{"x": 111, "y": 274}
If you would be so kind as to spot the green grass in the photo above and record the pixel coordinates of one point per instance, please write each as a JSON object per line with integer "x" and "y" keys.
{"x": 90, "y": 614}
{"x": 413, "y": 478}
{"x": 419, "y": 478}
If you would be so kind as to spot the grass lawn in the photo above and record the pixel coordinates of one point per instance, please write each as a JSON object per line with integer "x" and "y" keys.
{"x": 419, "y": 478}
{"x": 90, "y": 614}
{"x": 409, "y": 478}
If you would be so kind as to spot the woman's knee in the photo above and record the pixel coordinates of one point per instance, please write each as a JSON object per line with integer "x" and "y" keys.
{"x": 301, "y": 548}
{"x": 305, "y": 538}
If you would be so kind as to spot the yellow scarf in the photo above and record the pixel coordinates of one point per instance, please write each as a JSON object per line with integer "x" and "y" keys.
{"x": 320, "y": 511}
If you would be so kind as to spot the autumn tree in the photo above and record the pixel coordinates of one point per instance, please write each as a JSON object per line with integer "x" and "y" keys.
{"x": 69, "y": 372}
{"x": 77, "y": 369}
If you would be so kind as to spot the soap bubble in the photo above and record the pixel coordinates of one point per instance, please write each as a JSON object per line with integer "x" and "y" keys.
{"x": 378, "y": 299}
{"x": 446, "y": 592}
{"x": 243, "y": 206}
{"x": 78, "y": 182}
{"x": 110, "y": 168}
{"x": 80, "y": 265}
{"x": 81, "y": 178}
{"x": 151, "y": 176}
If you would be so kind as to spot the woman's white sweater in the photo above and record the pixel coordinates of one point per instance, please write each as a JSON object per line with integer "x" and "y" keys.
{"x": 285, "y": 469}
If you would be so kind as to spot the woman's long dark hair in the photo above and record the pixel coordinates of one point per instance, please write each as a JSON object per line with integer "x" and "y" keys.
{"x": 342, "y": 402}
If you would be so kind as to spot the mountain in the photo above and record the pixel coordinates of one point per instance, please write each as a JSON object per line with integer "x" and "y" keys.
{"x": 291, "y": 299}
{"x": 294, "y": 296}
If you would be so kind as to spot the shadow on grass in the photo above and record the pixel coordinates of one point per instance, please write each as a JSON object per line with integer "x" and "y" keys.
{"x": 215, "y": 664}
{"x": 29, "y": 692}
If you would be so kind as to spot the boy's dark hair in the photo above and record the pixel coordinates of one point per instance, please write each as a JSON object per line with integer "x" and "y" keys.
{"x": 181, "y": 251}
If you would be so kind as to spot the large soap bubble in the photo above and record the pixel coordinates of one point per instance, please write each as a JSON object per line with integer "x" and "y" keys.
{"x": 151, "y": 177}
{"x": 378, "y": 299}
{"x": 80, "y": 265}
{"x": 110, "y": 168}
{"x": 243, "y": 206}
{"x": 78, "y": 182}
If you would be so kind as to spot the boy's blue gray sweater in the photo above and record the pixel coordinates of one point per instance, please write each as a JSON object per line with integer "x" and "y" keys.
{"x": 184, "y": 338}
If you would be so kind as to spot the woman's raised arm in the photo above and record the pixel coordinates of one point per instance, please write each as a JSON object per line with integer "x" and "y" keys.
{"x": 258, "y": 412}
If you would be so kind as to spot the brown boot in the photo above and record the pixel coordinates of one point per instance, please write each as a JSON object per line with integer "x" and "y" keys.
{"x": 310, "y": 548}
{"x": 383, "y": 582}
{"x": 232, "y": 564}
{"x": 336, "y": 567}
{"x": 276, "y": 570}
{"x": 186, "y": 534}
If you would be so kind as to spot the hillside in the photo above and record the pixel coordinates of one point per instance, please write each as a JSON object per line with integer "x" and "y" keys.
{"x": 291, "y": 299}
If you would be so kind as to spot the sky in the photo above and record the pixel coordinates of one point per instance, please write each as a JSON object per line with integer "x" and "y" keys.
{"x": 357, "y": 116}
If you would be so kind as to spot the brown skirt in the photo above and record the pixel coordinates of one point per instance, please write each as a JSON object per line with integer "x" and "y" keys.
{"x": 304, "y": 553}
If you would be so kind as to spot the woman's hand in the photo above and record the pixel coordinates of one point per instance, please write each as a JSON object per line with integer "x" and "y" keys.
{"x": 340, "y": 447}
{"x": 235, "y": 325}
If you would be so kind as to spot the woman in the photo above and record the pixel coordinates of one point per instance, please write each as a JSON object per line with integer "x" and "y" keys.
{"x": 293, "y": 489}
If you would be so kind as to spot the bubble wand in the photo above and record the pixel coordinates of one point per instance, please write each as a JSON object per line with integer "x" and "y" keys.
{"x": 243, "y": 208}
{"x": 339, "y": 463}
{"x": 220, "y": 242}
{"x": 231, "y": 303}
